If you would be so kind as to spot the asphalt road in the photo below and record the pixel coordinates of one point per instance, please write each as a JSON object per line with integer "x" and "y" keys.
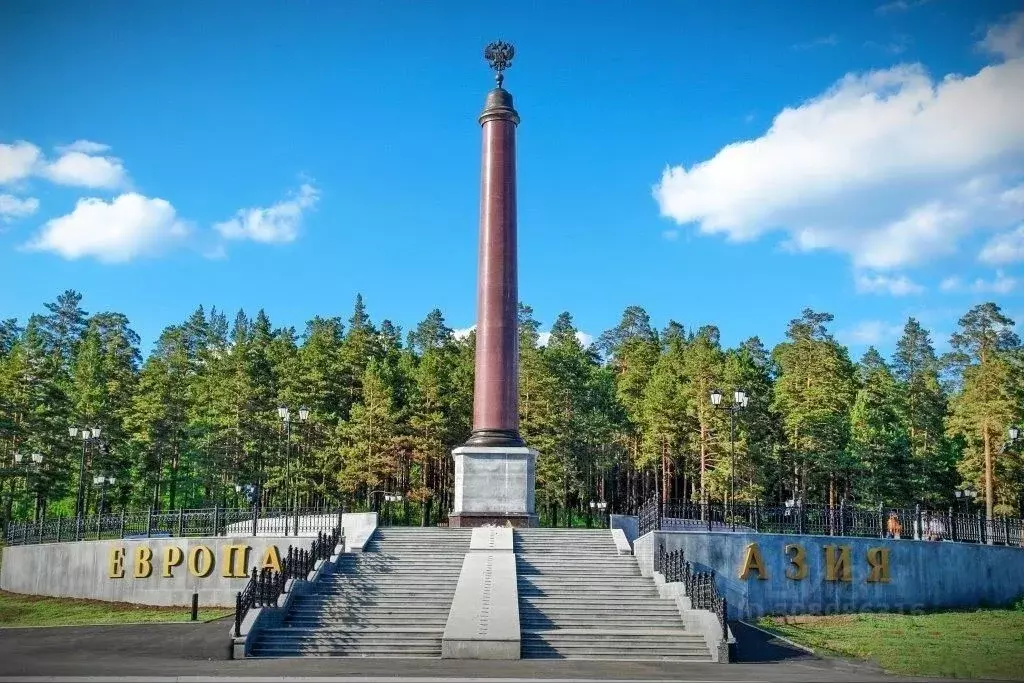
{"x": 200, "y": 652}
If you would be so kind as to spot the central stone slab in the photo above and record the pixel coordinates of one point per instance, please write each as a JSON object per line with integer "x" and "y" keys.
{"x": 494, "y": 485}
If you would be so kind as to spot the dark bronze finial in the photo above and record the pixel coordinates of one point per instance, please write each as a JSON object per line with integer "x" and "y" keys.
{"x": 499, "y": 55}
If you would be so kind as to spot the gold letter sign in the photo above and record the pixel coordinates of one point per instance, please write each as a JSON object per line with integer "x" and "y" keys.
{"x": 271, "y": 559}
{"x": 234, "y": 560}
{"x": 753, "y": 562}
{"x": 838, "y": 566}
{"x": 172, "y": 558}
{"x": 878, "y": 560}
{"x": 798, "y": 562}
{"x": 117, "y": 563}
{"x": 143, "y": 562}
{"x": 200, "y": 567}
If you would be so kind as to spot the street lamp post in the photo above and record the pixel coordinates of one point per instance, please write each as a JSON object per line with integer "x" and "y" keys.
{"x": 739, "y": 402}
{"x": 33, "y": 463}
{"x": 967, "y": 495}
{"x": 389, "y": 498}
{"x": 87, "y": 435}
{"x": 286, "y": 425}
{"x": 599, "y": 506}
{"x": 102, "y": 481}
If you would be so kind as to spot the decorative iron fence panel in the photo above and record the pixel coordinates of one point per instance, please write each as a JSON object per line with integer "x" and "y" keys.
{"x": 841, "y": 520}
{"x": 179, "y": 523}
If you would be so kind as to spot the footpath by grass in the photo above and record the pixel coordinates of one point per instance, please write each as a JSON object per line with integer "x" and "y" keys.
{"x": 984, "y": 643}
{"x": 29, "y": 610}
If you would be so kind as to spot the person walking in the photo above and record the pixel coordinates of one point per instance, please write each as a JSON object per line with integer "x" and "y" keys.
{"x": 893, "y": 527}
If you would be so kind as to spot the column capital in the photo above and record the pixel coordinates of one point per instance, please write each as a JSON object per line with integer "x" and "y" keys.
{"x": 498, "y": 107}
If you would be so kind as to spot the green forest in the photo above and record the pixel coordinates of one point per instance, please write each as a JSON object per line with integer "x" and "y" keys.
{"x": 196, "y": 421}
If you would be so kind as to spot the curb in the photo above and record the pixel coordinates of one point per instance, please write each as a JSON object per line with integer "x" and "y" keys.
{"x": 778, "y": 636}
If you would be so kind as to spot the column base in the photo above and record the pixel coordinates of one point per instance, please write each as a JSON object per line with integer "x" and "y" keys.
{"x": 495, "y": 437}
{"x": 468, "y": 519}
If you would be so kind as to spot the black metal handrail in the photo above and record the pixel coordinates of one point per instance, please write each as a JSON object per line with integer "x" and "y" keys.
{"x": 262, "y": 590}
{"x": 182, "y": 523}
{"x": 840, "y": 520}
{"x": 700, "y": 587}
{"x": 265, "y": 586}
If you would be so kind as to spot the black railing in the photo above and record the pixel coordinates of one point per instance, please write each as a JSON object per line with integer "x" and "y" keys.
{"x": 266, "y": 585}
{"x": 700, "y": 587}
{"x": 179, "y": 523}
{"x": 263, "y": 590}
{"x": 841, "y": 520}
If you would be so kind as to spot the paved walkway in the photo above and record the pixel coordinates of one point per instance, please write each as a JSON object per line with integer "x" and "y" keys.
{"x": 177, "y": 651}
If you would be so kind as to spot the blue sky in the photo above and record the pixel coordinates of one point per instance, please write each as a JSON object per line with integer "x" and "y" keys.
{"x": 727, "y": 163}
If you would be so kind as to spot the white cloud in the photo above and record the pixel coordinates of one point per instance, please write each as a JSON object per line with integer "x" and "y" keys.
{"x": 463, "y": 332}
{"x": 276, "y": 224}
{"x": 1000, "y": 284}
{"x": 868, "y": 332}
{"x": 12, "y": 208}
{"x": 83, "y": 146}
{"x": 880, "y": 167}
{"x": 17, "y": 160}
{"x": 127, "y": 227}
{"x": 1006, "y": 39}
{"x": 85, "y": 170}
{"x": 583, "y": 338}
{"x": 82, "y": 164}
{"x": 1006, "y": 247}
{"x": 951, "y": 284}
{"x": 899, "y": 285}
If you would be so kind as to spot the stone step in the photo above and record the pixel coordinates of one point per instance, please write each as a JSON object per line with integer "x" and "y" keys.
{"x": 366, "y": 620}
{"x": 391, "y": 579}
{"x": 376, "y": 606}
{"x": 395, "y": 650}
{"x": 542, "y": 590}
{"x": 630, "y": 648}
{"x": 541, "y": 624}
{"x": 619, "y": 655}
{"x": 527, "y": 609}
{"x": 354, "y": 631}
{"x": 380, "y": 639}
{"x": 390, "y": 601}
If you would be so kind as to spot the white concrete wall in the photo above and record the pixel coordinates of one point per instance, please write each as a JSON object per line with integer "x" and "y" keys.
{"x": 83, "y": 569}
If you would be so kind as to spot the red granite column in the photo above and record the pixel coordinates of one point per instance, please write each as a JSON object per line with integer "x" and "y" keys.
{"x": 496, "y": 391}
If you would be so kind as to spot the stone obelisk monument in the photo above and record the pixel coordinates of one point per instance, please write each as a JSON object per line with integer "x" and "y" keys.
{"x": 495, "y": 473}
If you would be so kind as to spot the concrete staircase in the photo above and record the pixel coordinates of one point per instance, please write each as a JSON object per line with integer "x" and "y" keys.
{"x": 392, "y": 600}
{"x": 580, "y": 599}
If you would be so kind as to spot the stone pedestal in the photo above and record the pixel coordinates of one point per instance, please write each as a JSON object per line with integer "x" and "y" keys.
{"x": 494, "y": 485}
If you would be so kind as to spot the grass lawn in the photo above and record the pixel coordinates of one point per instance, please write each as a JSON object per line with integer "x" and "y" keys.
{"x": 984, "y": 643}
{"x": 29, "y": 610}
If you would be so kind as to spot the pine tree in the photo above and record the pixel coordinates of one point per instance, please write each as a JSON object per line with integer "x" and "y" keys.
{"x": 814, "y": 393}
{"x": 985, "y": 405}
{"x": 703, "y": 367}
{"x": 879, "y": 441}
{"x": 922, "y": 408}
{"x": 631, "y": 349}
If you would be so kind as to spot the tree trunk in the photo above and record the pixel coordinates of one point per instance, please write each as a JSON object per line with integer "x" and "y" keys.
{"x": 989, "y": 484}
{"x": 703, "y": 462}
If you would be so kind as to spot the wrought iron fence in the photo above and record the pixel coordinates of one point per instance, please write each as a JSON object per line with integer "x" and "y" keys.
{"x": 841, "y": 520}
{"x": 266, "y": 585}
{"x": 178, "y": 523}
{"x": 700, "y": 587}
